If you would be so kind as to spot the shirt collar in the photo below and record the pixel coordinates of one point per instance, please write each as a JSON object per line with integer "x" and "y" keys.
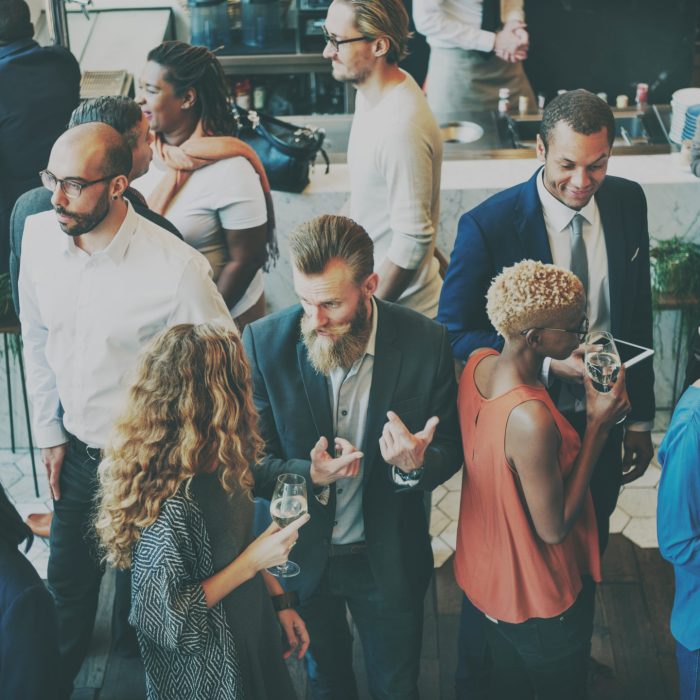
{"x": 6, "y": 50}
{"x": 116, "y": 250}
{"x": 556, "y": 212}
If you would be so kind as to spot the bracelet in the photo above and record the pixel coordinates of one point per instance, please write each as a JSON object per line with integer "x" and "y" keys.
{"x": 285, "y": 601}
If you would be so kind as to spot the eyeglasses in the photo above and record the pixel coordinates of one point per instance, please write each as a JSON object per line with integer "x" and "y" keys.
{"x": 337, "y": 43}
{"x": 71, "y": 188}
{"x": 580, "y": 332}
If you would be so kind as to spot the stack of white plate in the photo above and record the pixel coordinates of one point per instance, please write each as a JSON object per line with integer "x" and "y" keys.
{"x": 685, "y": 109}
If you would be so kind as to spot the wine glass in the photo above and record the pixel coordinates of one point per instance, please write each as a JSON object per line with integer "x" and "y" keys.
{"x": 602, "y": 361}
{"x": 289, "y": 502}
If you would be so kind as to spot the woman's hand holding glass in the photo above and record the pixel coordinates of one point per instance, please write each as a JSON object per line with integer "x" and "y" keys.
{"x": 272, "y": 547}
{"x": 610, "y": 407}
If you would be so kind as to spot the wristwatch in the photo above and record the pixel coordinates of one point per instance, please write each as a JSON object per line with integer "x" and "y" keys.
{"x": 285, "y": 601}
{"x": 411, "y": 476}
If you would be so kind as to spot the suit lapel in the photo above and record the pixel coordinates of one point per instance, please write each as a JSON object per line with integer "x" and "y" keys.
{"x": 529, "y": 222}
{"x": 614, "y": 232}
{"x": 316, "y": 390}
{"x": 385, "y": 374}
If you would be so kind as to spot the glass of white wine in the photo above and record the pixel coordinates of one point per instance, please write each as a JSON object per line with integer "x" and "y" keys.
{"x": 289, "y": 503}
{"x": 602, "y": 361}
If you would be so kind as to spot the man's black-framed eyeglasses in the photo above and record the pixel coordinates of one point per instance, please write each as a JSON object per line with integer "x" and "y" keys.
{"x": 580, "y": 332}
{"x": 337, "y": 43}
{"x": 71, "y": 188}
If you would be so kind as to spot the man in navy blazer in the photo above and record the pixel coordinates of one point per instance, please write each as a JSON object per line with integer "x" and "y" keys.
{"x": 535, "y": 220}
{"x": 39, "y": 88}
{"x": 357, "y": 395}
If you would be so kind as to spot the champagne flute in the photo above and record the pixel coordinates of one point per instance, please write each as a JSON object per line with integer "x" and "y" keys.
{"x": 602, "y": 361}
{"x": 289, "y": 503}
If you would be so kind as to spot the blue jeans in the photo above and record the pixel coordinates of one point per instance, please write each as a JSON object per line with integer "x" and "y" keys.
{"x": 688, "y": 672}
{"x": 74, "y": 571}
{"x": 390, "y": 634}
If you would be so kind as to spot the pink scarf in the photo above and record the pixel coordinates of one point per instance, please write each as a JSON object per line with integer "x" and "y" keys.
{"x": 198, "y": 151}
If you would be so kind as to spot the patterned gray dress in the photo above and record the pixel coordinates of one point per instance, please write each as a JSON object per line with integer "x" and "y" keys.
{"x": 188, "y": 650}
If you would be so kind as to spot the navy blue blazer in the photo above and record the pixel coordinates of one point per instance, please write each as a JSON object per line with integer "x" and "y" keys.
{"x": 414, "y": 376}
{"x": 509, "y": 227}
{"x": 39, "y": 88}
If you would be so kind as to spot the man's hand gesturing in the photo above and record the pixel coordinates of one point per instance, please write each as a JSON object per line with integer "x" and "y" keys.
{"x": 326, "y": 469}
{"x": 402, "y": 449}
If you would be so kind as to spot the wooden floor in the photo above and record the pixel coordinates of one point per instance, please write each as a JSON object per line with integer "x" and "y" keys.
{"x": 631, "y": 636}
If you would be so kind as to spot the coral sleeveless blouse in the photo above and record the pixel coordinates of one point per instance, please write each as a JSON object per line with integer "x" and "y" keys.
{"x": 501, "y": 563}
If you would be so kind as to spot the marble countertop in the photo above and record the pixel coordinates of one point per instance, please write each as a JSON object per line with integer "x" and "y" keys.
{"x": 661, "y": 169}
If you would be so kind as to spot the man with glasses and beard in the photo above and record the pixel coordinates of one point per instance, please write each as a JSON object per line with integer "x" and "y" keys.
{"x": 97, "y": 281}
{"x": 394, "y": 151}
{"x": 358, "y": 396}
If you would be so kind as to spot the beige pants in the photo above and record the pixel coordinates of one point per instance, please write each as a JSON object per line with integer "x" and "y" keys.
{"x": 460, "y": 80}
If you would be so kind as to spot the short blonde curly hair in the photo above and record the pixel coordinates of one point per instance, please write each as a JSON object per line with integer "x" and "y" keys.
{"x": 531, "y": 294}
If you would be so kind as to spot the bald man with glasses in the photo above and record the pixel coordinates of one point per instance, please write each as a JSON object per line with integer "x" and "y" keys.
{"x": 97, "y": 281}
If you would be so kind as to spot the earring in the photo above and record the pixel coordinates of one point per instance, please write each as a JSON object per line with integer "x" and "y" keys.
{"x": 114, "y": 196}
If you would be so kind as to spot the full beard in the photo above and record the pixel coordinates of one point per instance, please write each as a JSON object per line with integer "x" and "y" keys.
{"x": 343, "y": 348}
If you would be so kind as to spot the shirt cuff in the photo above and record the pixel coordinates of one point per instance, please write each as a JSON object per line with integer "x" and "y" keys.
{"x": 544, "y": 372}
{"x": 406, "y": 252}
{"x": 323, "y": 495}
{"x": 485, "y": 41}
{"x": 641, "y": 426}
{"x": 50, "y": 435}
{"x": 399, "y": 481}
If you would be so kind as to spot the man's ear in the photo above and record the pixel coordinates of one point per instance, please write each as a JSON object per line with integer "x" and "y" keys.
{"x": 541, "y": 149}
{"x": 371, "y": 283}
{"x": 381, "y": 46}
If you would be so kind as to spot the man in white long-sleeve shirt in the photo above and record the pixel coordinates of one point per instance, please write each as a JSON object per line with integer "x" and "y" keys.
{"x": 97, "y": 281}
{"x": 395, "y": 149}
{"x": 476, "y": 47}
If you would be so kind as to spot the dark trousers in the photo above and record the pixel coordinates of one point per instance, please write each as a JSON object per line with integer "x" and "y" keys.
{"x": 390, "y": 635}
{"x": 74, "y": 571}
{"x": 688, "y": 672}
{"x": 554, "y": 651}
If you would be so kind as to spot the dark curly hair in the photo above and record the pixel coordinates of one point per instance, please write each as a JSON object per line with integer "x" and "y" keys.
{"x": 583, "y": 111}
{"x": 188, "y": 66}
{"x": 13, "y": 529}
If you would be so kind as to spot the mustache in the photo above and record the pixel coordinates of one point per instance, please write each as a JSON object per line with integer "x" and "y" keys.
{"x": 60, "y": 210}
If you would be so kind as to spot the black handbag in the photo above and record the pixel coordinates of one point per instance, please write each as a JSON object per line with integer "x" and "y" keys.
{"x": 287, "y": 151}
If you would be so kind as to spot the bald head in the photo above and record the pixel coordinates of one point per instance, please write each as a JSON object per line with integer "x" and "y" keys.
{"x": 95, "y": 148}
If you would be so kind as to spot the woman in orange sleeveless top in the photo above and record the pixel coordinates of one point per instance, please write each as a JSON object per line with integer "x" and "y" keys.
{"x": 527, "y": 547}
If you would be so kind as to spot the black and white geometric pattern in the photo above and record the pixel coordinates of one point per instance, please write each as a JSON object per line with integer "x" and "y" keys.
{"x": 188, "y": 649}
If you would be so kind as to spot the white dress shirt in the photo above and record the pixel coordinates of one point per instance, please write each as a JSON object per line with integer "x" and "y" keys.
{"x": 448, "y": 24}
{"x": 557, "y": 220}
{"x": 85, "y": 318}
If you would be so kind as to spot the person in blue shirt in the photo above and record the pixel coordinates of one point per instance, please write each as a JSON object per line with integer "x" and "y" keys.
{"x": 28, "y": 636}
{"x": 678, "y": 523}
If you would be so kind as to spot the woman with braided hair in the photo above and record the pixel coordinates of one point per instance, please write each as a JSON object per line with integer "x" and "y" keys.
{"x": 208, "y": 183}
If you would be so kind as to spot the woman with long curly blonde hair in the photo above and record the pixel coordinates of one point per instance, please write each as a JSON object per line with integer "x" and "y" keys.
{"x": 175, "y": 505}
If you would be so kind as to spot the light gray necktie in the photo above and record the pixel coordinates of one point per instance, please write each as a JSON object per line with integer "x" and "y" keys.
{"x": 579, "y": 261}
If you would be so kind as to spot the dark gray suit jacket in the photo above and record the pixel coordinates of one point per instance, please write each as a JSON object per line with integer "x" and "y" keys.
{"x": 413, "y": 375}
